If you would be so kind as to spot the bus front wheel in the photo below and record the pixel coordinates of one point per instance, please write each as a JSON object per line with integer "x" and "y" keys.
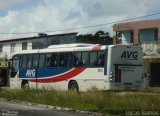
{"x": 25, "y": 85}
{"x": 73, "y": 86}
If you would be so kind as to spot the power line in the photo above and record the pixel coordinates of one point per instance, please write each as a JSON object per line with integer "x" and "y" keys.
{"x": 91, "y": 26}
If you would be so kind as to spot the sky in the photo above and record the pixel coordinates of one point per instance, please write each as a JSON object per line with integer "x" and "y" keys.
{"x": 30, "y": 17}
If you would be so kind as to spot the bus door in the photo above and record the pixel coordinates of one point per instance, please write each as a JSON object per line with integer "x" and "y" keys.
{"x": 128, "y": 74}
{"x": 14, "y": 73}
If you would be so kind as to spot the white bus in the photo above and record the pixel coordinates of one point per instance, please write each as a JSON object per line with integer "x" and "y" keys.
{"x": 79, "y": 67}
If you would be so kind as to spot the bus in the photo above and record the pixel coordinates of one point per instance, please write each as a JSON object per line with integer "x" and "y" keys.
{"x": 78, "y": 67}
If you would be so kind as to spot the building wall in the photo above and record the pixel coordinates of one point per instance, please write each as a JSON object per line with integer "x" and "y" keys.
{"x": 67, "y": 39}
{"x": 46, "y": 41}
{"x": 7, "y": 48}
{"x": 35, "y": 43}
{"x": 136, "y": 27}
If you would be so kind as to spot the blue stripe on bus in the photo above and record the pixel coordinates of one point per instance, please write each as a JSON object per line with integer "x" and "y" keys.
{"x": 105, "y": 70}
{"x": 42, "y": 72}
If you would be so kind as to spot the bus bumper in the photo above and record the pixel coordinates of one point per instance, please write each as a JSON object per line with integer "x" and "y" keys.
{"x": 116, "y": 86}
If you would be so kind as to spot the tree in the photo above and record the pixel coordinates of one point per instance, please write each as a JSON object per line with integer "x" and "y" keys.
{"x": 100, "y": 37}
{"x": 84, "y": 38}
{"x": 99, "y": 33}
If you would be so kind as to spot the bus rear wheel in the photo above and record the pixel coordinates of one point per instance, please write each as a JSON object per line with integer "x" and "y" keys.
{"x": 73, "y": 86}
{"x": 25, "y": 85}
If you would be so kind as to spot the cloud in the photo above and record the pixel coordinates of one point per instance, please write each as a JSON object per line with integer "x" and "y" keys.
{"x": 105, "y": 8}
{"x": 52, "y": 15}
{"x": 8, "y": 3}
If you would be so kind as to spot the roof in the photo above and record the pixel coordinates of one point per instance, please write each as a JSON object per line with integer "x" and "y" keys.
{"x": 36, "y": 37}
{"x": 137, "y": 25}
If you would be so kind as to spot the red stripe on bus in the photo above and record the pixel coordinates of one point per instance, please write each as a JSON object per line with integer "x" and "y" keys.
{"x": 97, "y": 48}
{"x": 63, "y": 77}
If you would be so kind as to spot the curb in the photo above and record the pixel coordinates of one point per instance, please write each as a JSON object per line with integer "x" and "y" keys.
{"x": 49, "y": 107}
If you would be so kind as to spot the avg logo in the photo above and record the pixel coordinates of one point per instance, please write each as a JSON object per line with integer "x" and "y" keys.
{"x": 31, "y": 73}
{"x": 130, "y": 55}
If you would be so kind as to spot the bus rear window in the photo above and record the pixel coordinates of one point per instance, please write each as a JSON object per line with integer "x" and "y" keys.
{"x": 101, "y": 58}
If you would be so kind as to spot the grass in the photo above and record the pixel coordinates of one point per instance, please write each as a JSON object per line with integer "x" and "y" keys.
{"x": 106, "y": 102}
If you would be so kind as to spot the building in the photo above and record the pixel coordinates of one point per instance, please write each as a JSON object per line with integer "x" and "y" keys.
{"x": 9, "y": 47}
{"x": 147, "y": 34}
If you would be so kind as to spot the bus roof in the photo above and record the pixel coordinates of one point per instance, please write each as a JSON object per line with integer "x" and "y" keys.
{"x": 73, "y": 47}
{"x": 70, "y": 45}
{"x": 66, "y": 48}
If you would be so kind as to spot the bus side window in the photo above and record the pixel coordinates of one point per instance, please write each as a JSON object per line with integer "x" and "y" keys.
{"x": 93, "y": 59}
{"x": 85, "y": 59}
{"x": 77, "y": 59}
{"x": 48, "y": 60}
{"x": 35, "y": 60}
{"x": 41, "y": 60}
{"x": 69, "y": 59}
{"x": 100, "y": 59}
{"x": 54, "y": 60}
{"x": 65, "y": 59}
{"x": 24, "y": 61}
{"x": 61, "y": 59}
{"x": 29, "y": 60}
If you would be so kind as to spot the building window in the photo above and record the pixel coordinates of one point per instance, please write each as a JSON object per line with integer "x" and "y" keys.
{"x": 156, "y": 34}
{"x": 13, "y": 46}
{"x": 1, "y": 48}
{"x": 132, "y": 39}
{"x": 24, "y": 46}
{"x": 148, "y": 35}
{"x": 39, "y": 43}
{"x": 119, "y": 37}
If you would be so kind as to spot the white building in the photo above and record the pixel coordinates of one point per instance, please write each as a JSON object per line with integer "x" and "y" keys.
{"x": 9, "y": 47}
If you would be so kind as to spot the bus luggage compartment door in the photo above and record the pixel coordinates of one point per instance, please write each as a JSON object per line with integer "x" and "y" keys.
{"x": 128, "y": 74}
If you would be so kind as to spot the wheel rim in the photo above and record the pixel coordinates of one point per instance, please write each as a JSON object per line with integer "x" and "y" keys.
{"x": 25, "y": 86}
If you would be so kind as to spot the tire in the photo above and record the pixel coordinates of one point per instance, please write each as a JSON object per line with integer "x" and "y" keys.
{"x": 73, "y": 86}
{"x": 25, "y": 85}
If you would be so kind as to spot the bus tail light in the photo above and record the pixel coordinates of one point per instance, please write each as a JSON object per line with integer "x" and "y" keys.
{"x": 111, "y": 76}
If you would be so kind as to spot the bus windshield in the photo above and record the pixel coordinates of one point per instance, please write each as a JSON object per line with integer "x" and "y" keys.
{"x": 15, "y": 65}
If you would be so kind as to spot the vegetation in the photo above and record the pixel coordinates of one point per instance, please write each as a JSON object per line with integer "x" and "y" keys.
{"x": 105, "y": 102}
{"x": 100, "y": 37}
